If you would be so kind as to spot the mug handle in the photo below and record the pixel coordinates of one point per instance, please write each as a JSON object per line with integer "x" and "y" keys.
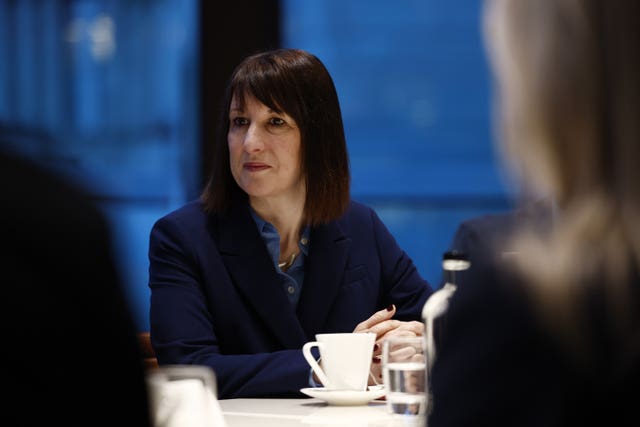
{"x": 306, "y": 351}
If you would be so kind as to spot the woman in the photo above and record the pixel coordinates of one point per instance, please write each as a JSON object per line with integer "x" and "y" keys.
{"x": 552, "y": 337}
{"x": 275, "y": 251}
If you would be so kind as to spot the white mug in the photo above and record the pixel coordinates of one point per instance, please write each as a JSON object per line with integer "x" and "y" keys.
{"x": 345, "y": 357}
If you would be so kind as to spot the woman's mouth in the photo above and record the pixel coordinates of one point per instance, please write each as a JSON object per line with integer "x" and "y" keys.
{"x": 255, "y": 166}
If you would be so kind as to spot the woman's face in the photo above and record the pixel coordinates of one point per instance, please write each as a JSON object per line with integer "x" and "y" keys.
{"x": 264, "y": 151}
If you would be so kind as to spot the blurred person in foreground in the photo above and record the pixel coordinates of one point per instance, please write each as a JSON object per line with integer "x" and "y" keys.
{"x": 69, "y": 354}
{"x": 276, "y": 251}
{"x": 553, "y": 337}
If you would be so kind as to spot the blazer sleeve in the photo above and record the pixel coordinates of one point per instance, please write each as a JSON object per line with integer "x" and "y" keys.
{"x": 183, "y": 329}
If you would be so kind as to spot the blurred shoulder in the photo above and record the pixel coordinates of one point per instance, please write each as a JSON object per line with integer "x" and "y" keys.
{"x": 28, "y": 186}
{"x": 490, "y": 222}
{"x": 538, "y": 213}
{"x": 41, "y": 205}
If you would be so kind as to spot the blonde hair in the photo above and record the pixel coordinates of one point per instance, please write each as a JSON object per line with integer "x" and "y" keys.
{"x": 568, "y": 81}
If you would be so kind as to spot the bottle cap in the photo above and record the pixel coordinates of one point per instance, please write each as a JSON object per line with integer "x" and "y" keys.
{"x": 455, "y": 254}
{"x": 455, "y": 260}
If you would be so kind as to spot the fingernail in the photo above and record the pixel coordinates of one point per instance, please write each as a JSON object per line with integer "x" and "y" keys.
{"x": 390, "y": 307}
{"x": 376, "y": 359}
{"x": 376, "y": 347}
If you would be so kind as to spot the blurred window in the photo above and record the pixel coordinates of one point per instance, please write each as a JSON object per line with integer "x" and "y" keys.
{"x": 105, "y": 92}
{"x": 413, "y": 86}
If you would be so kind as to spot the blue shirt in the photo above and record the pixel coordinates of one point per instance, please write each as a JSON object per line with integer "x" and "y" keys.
{"x": 293, "y": 278}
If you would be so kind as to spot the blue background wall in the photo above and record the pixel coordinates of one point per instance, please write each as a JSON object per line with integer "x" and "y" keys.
{"x": 107, "y": 92}
{"x": 414, "y": 89}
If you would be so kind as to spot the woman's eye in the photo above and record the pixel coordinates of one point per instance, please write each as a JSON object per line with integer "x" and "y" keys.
{"x": 239, "y": 121}
{"x": 276, "y": 121}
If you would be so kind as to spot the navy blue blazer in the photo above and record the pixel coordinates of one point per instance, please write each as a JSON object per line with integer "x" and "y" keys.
{"x": 217, "y": 300}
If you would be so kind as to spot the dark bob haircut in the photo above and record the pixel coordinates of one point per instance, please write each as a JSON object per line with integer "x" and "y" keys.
{"x": 297, "y": 83}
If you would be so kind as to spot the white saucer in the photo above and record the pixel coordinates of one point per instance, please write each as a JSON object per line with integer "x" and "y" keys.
{"x": 344, "y": 397}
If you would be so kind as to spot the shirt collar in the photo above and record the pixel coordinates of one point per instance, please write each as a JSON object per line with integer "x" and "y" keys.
{"x": 271, "y": 237}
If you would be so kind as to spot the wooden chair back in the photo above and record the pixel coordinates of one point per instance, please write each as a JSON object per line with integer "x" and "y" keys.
{"x": 148, "y": 355}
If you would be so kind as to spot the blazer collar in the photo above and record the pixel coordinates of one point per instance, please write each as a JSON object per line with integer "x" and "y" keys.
{"x": 253, "y": 273}
{"x": 325, "y": 265}
{"x": 251, "y": 269}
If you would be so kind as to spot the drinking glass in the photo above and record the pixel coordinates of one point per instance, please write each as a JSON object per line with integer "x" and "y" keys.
{"x": 405, "y": 375}
{"x": 184, "y": 395}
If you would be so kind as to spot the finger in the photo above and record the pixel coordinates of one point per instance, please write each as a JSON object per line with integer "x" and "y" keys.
{"x": 390, "y": 329}
{"x": 377, "y": 317}
{"x": 412, "y": 327}
{"x": 395, "y": 333}
{"x": 418, "y": 358}
{"x": 382, "y": 328}
{"x": 403, "y": 354}
{"x": 408, "y": 329}
{"x": 375, "y": 374}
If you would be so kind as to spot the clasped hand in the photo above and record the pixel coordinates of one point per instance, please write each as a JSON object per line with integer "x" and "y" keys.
{"x": 382, "y": 324}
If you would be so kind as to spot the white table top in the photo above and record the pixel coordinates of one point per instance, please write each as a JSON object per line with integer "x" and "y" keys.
{"x": 310, "y": 413}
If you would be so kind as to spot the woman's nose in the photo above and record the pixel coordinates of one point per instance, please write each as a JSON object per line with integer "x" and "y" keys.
{"x": 252, "y": 139}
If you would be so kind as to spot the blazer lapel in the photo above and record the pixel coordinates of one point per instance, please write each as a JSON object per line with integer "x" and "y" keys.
{"x": 252, "y": 271}
{"x": 325, "y": 266}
